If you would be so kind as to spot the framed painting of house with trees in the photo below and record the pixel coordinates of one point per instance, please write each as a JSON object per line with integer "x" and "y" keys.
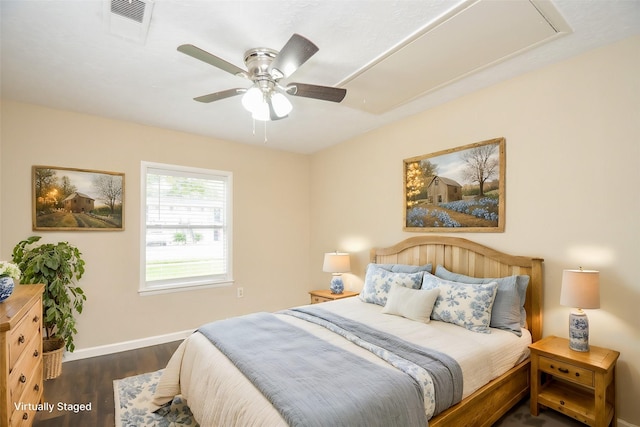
{"x": 456, "y": 190}
{"x": 77, "y": 199}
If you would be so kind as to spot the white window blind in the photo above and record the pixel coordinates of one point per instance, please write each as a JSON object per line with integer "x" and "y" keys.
{"x": 186, "y": 227}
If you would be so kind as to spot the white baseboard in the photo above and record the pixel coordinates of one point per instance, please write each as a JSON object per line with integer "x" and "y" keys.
{"x": 85, "y": 353}
{"x": 623, "y": 423}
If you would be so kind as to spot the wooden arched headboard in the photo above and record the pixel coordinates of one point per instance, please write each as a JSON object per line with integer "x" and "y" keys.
{"x": 472, "y": 259}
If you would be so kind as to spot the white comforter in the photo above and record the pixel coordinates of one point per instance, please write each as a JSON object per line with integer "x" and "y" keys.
{"x": 219, "y": 395}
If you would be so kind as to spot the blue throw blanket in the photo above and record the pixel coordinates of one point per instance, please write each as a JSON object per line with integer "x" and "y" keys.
{"x": 442, "y": 370}
{"x": 312, "y": 382}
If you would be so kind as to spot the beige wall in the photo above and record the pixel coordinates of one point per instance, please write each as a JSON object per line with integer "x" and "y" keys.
{"x": 573, "y": 151}
{"x": 271, "y": 219}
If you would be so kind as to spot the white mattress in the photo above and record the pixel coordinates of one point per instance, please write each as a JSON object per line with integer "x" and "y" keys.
{"x": 219, "y": 395}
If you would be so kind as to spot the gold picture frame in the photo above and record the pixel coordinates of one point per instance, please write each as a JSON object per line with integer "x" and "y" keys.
{"x": 73, "y": 199}
{"x": 456, "y": 190}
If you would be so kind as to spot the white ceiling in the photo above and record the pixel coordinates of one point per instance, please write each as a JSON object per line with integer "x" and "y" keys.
{"x": 62, "y": 54}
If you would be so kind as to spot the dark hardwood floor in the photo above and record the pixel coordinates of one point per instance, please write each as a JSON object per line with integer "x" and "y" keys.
{"x": 91, "y": 381}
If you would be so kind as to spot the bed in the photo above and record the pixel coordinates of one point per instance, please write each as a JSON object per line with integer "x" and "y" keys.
{"x": 218, "y": 393}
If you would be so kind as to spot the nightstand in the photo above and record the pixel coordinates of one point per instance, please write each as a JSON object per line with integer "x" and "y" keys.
{"x": 324, "y": 295}
{"x": 578, "y": 384}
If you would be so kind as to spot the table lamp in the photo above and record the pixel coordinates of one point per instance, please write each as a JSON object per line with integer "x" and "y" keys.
{"x": 580, "y": 289}
{"x": 336, "y": 263}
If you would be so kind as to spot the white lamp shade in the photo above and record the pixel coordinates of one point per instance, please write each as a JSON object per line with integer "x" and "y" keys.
{"x": 281, "y": 105}
{"x": 580, "y": 289}
{"x": 253, "y": 99}
{"x": 261, "y": 112}
{"x": 336, "y": 262}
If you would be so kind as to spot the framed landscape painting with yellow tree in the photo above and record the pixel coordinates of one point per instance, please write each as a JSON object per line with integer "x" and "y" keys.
{"x": 77, "y": 199}
{"x": 456, "y": 190}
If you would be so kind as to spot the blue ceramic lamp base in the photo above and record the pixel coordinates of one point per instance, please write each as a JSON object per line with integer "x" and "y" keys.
{"x": 337, "y": 285}
{"x": 578, "y": 331}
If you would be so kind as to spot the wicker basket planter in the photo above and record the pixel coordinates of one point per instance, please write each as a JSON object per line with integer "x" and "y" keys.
{"x": 62, "y": 298}
{"x": 52, "y": 351}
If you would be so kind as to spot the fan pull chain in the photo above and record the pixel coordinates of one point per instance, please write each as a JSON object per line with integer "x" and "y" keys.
{"x": 265, "y": 132}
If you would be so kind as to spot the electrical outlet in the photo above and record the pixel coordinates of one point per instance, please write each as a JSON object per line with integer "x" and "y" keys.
{"x": 240, "y": 292}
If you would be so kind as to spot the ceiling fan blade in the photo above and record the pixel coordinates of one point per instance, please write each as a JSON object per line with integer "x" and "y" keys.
{"x": 205, "y": 56}
{"x": 325, "y": 93}
{"x": 217, "y": 96}
{"x": 294, "y": 53}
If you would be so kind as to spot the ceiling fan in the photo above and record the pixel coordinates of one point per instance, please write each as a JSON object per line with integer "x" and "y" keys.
{"x": 266, "y": 98}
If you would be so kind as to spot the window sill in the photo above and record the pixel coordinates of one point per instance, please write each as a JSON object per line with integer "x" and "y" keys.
{"x": 183, "y": 288}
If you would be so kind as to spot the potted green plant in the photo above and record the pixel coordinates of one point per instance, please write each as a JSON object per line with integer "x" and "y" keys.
{"x": 58, "y": 266}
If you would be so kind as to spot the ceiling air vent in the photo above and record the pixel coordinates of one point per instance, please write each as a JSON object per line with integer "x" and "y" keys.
{"x": 129, "y": 19}
{"x": 132, "y": 9}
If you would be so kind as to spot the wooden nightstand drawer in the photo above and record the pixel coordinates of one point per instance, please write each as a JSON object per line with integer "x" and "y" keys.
{"x": 324, "y": 295}
{"x": 566, "y": 371}
{"x": 316, "y": 299}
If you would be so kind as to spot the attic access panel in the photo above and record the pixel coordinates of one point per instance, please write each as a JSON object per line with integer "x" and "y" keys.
{"x": 473, "y": 36}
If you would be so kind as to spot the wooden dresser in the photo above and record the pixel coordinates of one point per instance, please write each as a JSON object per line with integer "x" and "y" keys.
{"x": 21, "y": 355}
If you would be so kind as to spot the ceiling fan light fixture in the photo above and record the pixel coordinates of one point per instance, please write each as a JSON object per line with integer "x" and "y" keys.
{"x": 281, "y": 105}
{"x": 261, "y": 104}
{"x": 253, "y": 99}
{"x": 261, "y": 112}
{"x": 266, "y": 100}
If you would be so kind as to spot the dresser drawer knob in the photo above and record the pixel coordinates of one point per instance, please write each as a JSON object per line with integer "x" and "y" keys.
{"x": 562, "y": 402}
{"x": 36, "y": 318}
{"x": 23, "y": 379}
{"x": 36, "y": 353}
{"x": 25, "y": 416}
{"x": 36, "y": 387}
{"x": 563, "y": 370}
{"x": 21, "y": 339}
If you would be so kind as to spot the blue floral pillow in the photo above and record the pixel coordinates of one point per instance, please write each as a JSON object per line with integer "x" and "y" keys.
{"x": 378, "y": 281}
{"x": 466, "y": 305}
{"x": 508, "y": 308}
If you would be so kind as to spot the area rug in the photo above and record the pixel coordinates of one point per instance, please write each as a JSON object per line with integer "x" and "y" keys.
{"x": 133, "y": 396}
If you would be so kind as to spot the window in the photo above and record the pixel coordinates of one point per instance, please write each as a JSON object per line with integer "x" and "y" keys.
{"x": 186, "y": 228}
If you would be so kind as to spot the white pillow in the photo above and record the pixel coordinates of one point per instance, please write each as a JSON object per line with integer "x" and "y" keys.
{"x": 414, "y": 304}
{"x": 466, "y": 305}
